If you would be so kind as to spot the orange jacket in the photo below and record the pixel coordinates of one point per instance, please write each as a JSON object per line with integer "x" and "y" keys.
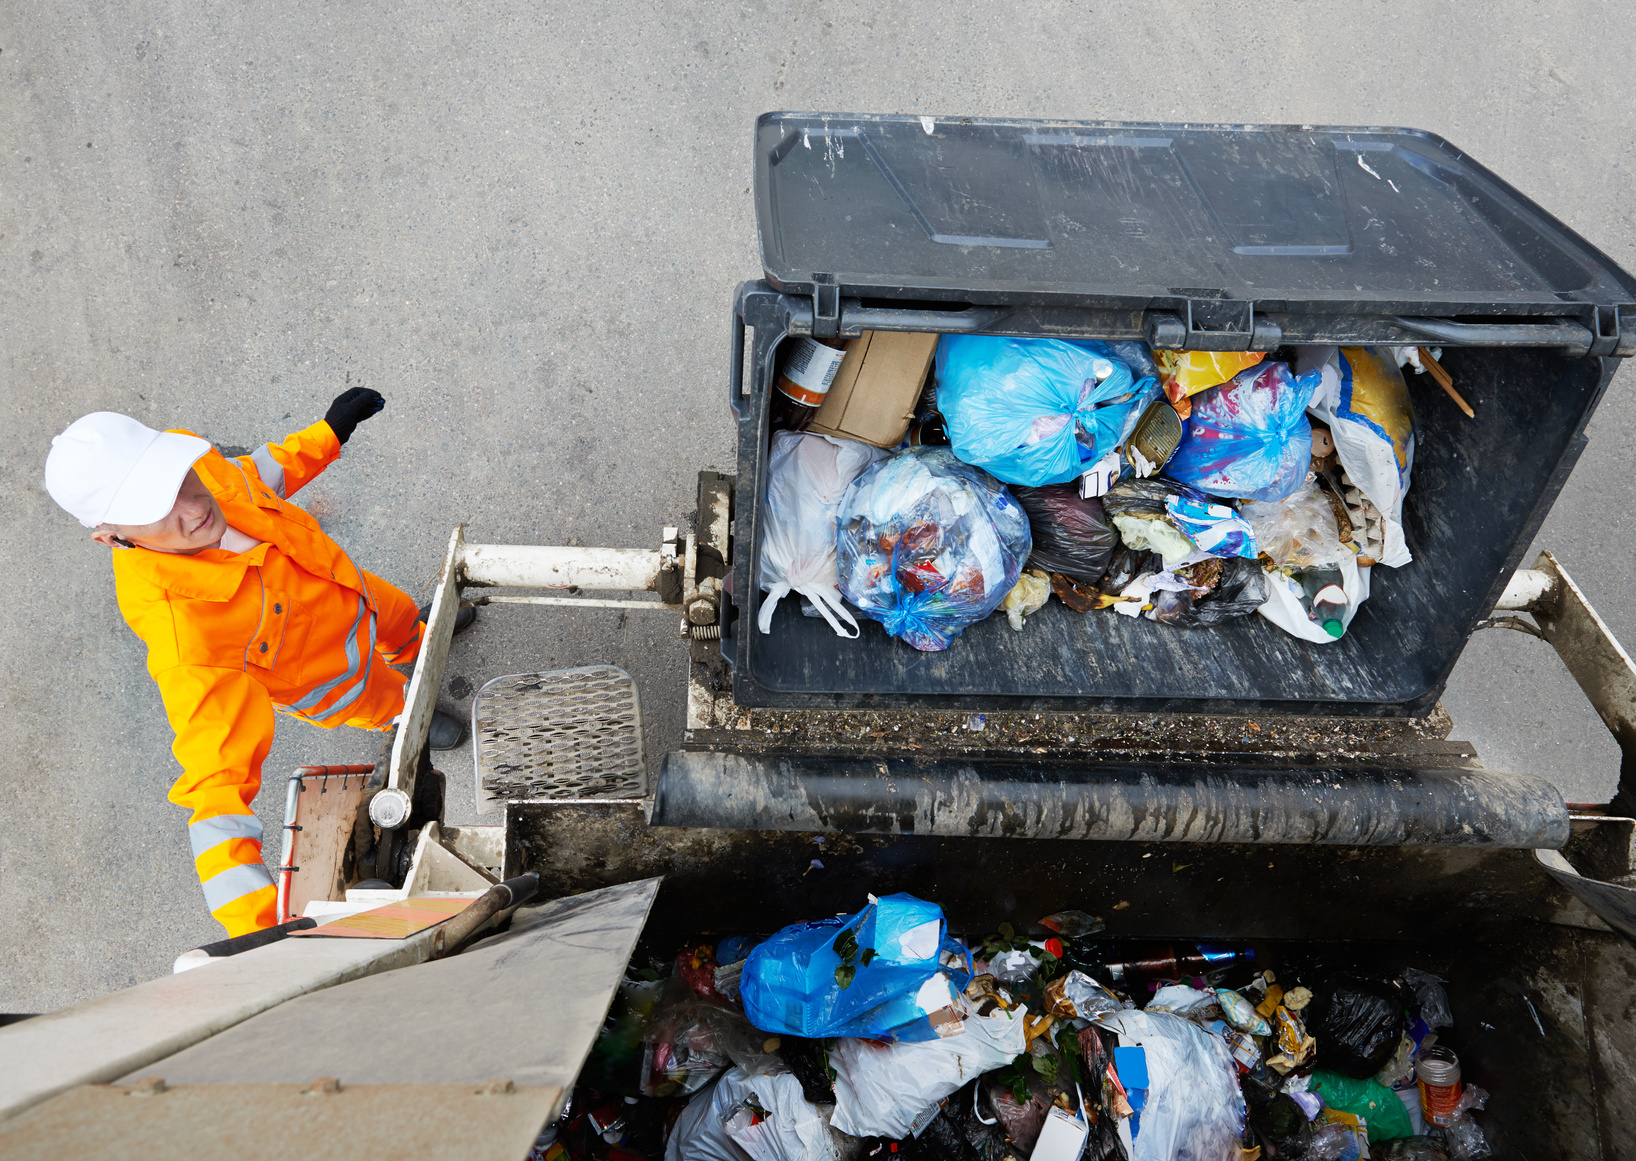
{"x": 292, "y": 624}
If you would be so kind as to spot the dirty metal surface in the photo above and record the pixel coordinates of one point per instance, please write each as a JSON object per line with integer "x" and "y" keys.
{"x": 715, "y": 723}
{"x": 1011, "y": 798}
{"x": 275, "y": 1122}
{"x": 1598, "y": 663}
{"x": 716, "y": 878}
{"x": 569, "y": 733}
{"x": 1544, "y": 1024}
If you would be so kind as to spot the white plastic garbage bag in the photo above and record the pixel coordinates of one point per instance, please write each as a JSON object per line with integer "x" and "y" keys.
{"x": 806, "y": 475}
{"x": 1283, "y": 605}
{"x": 1365, "y": 402}
{"x": 752, "y": 1118}
{"x": 892, "y": 1090}
{"x": 1194, "y": 1107}
{"x": 700, "y": 1133}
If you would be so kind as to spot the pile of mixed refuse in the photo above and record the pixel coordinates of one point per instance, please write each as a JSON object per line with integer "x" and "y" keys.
{"x": 879, "y": 1035}
{"x": 926, "y": 481}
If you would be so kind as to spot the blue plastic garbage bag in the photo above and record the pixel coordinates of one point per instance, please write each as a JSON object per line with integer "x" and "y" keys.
{"x": 927, "y": 545}
{"x": 1249, "y": 437}
{"x": 877, "y": 974}
{"x": 1032, "y": 411}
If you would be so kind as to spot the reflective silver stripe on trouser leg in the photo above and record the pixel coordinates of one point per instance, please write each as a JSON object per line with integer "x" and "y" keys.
{"x": 211, "y": 832}
{"x": 270, "y": 470}
{"x": 235, "y": 883}
{"x": 353, "y": 670}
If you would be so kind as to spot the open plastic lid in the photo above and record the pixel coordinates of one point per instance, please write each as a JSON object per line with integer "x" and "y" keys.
{"x": 1292, "y": 218}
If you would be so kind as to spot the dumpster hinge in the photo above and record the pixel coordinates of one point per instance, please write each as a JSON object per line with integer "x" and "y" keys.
{"x": 1607, "y": 333}
{"x": 1209, "y": 321}
{"x": 826, "y": 307}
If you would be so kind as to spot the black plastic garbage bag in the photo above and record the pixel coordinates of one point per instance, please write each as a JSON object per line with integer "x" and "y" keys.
{"x": 1358, "y": 1021}
{"x": 1126, "y": 565}
{"x": 1072, "y": 534}
{"x": 1240, "y": 591}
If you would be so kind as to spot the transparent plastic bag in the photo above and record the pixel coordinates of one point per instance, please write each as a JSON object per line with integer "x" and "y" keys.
{"x": 1466, "y": 1141}
{"x": 1298, "y": 531}
{"x": 1194, "y": 1107}
{"x": 929, "y": 545}
{"x": 806, "y": 477}
{"x": 1032, "y": 411}
{"x": 1250, "y": 437}
{"x": 690, "y": 1041}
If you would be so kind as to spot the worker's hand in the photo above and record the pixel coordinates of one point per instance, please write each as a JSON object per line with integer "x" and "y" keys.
{"x": 352, "y": 407}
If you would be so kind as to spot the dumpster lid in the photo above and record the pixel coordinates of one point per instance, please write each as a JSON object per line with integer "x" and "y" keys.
{"x": 1371, "y": 221}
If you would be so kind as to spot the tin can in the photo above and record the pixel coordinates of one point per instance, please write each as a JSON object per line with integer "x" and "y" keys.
{"x": 810, "y": 368}
{"x": 1439, "y": 1076}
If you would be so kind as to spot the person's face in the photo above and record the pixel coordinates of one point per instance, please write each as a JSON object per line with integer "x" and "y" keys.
{"x": 193, "y": 524}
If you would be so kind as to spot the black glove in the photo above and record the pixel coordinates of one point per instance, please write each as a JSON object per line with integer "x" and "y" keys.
{"x": 352, "y": 407}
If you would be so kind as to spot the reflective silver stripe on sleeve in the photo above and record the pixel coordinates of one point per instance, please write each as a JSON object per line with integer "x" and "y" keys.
{"x": 312, "y": 699}
{"x": 272, "y": 472}
{"x": 211, "y": 832}
{"x": 235, "y": 883}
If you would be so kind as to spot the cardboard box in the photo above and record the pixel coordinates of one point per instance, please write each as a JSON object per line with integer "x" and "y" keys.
{"x": 874, "y": 394}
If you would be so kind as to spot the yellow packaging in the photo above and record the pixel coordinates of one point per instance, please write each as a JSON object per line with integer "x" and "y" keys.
{"x": 1373, "y": 392}
{"x": 1184, "y": 373}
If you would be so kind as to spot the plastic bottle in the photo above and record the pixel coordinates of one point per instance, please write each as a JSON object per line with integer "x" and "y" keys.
{"x": 809, "y": 369}
{"x": 1439, "y": 1076}
{"x": 1325, "y": 599}
{"x": 1147, "y": 962}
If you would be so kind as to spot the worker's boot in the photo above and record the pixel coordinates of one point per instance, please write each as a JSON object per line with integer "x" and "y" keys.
{"x": 447, "y": 731}
{"x": 462, "y": 619}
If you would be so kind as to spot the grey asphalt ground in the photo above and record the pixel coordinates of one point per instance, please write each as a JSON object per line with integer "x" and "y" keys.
{"x": 523, "y": 224}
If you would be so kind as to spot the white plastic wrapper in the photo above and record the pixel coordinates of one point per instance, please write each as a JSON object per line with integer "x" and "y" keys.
{"x": 720, "y": 1125}
{"x": 1283, "y": 605}
{"x": 892, "y": 1090}
{"x": 806, "y": 476}
{"x": 1194, "y": 1107}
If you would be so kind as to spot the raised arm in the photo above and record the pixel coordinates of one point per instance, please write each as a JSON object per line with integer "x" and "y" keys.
{"x": 288, "y": 467}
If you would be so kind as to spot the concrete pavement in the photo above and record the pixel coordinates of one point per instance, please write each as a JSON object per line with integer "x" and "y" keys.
{"x": 523, "y": 223}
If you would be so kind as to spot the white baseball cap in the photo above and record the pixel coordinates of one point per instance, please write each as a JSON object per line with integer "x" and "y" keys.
{"x": 109, "y": 469}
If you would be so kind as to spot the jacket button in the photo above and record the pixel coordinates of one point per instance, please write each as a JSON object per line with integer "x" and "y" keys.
{"x": 278, "y": 608}
{"x": 264, "y": 646}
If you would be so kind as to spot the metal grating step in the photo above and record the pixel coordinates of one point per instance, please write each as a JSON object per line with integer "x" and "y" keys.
{"x": 569, "y": 733}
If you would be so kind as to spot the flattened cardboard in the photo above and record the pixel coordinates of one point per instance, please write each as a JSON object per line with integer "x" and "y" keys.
{"x": 874, "y": 394}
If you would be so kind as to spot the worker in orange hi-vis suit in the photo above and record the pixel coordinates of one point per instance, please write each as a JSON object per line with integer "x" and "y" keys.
{"x": 246, "y": 607}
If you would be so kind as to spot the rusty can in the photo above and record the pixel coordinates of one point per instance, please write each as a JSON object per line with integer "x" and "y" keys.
{"x": 1439, "y": 1075}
